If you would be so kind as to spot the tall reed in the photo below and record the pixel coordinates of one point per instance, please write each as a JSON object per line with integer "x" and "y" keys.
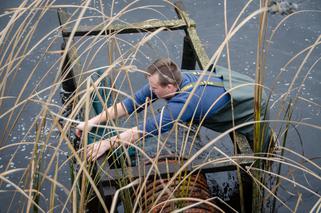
{"x": 49, "y": 134}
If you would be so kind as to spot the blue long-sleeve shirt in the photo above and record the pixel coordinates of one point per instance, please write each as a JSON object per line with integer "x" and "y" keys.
{"x": 200, "y": 103}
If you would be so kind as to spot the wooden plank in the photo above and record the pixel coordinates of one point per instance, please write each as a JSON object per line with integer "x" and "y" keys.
{"x": 72, "y": 55}
{"x": 108, "y": 191}
{"x": 73, "y": 58}
{"x": 123, "y": 28}
{"x": 79, "y": 78}
{"x": 243, "y": 144}
{"x": 200, "y": 53}
{"x": 224, "y": 166}
{"x": 63, "y": 17}
{"x": 168, "y": 169}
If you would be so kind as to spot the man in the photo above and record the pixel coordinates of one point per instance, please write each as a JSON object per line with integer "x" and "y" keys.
{"x": 209, "y": 105}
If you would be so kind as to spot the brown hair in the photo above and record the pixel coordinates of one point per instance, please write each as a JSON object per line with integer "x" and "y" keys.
{"x": 167, "y": 70}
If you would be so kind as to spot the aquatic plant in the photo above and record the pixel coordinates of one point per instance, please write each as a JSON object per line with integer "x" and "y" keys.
{"x": 43, "y": 165}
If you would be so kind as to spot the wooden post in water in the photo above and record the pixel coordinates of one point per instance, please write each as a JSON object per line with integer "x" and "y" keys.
{"x": 191, "y": 33}
{"x": 189, "y": 57}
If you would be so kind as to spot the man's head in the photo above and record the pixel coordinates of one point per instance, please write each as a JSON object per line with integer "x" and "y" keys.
{"x": 164, "y": 77}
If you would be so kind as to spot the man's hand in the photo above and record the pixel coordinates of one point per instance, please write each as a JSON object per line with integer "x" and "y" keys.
{"x": 95, "y": 150}
{"x": 81, "y": 126}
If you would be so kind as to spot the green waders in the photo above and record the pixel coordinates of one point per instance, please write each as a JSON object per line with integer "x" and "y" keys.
{"x": 241, "y": 90}
{"x": 243, "y": 105}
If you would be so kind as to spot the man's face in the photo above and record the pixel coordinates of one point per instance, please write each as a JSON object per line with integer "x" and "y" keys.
{"x": 165, "y": 92}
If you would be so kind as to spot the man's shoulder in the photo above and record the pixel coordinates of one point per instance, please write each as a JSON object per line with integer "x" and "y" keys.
{"x": 188, "y": 77}
{"x": 191, "y": 72}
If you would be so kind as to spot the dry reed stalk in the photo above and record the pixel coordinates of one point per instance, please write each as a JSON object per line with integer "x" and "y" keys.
{"x": 16, "y": 58}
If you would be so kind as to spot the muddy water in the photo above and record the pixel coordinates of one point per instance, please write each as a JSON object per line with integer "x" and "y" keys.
{"x": 295, "y": 34}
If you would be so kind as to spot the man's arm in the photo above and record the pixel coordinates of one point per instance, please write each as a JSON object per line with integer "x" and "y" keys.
{"x": 163, "y": 121}
{"x": 95, "y": 150}
{"x": 139, "y": 100}
{"x": 113, "y": 112}
{"x": 121, "y": 109}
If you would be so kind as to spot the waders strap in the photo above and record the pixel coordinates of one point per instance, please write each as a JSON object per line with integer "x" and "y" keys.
{"x": 202, "y": 83}
{"x": 207, "y": 73}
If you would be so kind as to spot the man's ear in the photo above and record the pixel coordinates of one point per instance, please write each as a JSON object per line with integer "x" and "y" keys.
{"x": 171, "y": 86}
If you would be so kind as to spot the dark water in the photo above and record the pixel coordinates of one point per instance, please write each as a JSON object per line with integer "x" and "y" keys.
{"x": 295, "y": 34}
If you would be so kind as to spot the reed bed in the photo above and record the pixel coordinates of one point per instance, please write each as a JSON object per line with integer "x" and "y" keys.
{"x": 37, "y": 129}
